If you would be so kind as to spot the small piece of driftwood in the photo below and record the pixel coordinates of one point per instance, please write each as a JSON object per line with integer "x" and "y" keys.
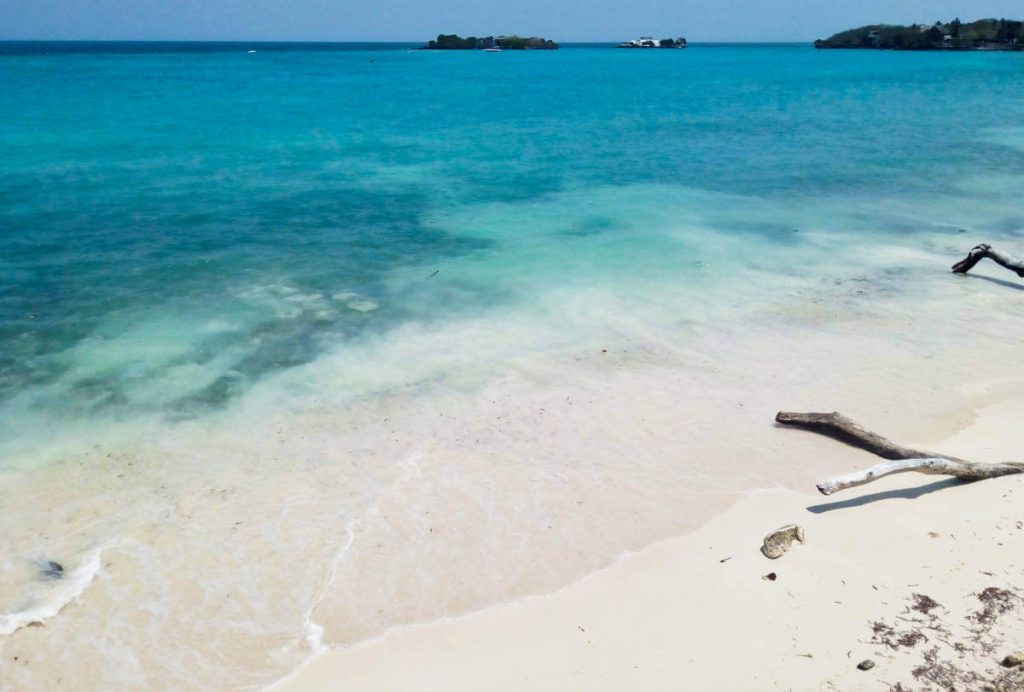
{"x": 900, "y": 459}
{"x": 980, "y": 252}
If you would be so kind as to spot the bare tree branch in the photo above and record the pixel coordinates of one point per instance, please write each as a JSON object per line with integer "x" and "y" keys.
{"x": 980, "y": 252}
{"x": 901, "y": 459}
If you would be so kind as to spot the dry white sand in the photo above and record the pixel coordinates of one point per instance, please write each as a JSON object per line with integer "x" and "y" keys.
{"x": 695, "y": 612}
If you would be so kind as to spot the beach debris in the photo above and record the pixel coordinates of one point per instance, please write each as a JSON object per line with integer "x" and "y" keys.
{"x": 950, "y": 654}
{"x": 771, "y": 576}
{"x": 982, "y": 251}
{"x": 890, "y": 637}
{"x": 778, "y": 542}
{"x": 924, "y": 604}
{"x": 725, "y": 559}
{"x": 901, "y": 459}
{"x": 866, "y": 664}
{"x": 51, "y": 569}
{"x": 995, "y": 602}
{"x": 1013, "y": 660}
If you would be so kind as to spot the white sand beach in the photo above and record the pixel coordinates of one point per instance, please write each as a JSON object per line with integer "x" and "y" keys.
{"x": 696, "y": 612}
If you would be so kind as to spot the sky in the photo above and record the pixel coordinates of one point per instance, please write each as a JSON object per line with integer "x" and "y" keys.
{"x": 418, "y": 20}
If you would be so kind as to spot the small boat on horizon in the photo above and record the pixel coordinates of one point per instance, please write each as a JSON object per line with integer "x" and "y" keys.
{"x": 648, "y": 42}
{"x": 494, "y": 50}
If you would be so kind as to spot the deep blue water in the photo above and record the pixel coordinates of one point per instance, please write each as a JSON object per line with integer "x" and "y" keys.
{"x": 198, "y": 216}
{"x": 150, "y": 47}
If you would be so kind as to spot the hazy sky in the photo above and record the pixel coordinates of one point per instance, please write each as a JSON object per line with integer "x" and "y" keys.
{"x": 381, "y": 20}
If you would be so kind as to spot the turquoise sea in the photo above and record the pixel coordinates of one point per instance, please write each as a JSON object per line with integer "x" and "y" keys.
{"x": 154, "y": 202}
{"x": 210, "y": 249}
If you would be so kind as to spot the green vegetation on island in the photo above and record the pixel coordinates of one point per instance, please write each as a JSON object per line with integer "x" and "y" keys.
{"x": 984, "y": 34}
{"x": 453, "y": 42}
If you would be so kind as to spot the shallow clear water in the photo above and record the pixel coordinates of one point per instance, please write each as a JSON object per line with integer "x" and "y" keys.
{"x": 177, "y": 225}
{"x": 194, "y": 238}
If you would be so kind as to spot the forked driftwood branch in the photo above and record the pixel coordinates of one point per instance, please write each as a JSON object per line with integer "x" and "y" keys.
{"x": 900, "y": 459}
{"x": 980, "y": 252}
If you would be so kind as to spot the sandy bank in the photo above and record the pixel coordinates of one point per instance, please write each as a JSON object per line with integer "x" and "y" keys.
{"x": 696, "y": 610}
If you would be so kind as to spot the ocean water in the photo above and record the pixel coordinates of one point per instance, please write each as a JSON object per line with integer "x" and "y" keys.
{"x": 242, "y": 286}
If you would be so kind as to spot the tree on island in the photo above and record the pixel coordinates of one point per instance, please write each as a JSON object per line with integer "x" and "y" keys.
{"x": 984, "y": 34}
{"x": 455, "y": 42}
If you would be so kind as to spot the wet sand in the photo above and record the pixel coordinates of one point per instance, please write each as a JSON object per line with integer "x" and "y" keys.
{"x": 698, "y": 611}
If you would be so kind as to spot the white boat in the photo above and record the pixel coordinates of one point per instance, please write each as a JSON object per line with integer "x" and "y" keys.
{"x": 649, "y": 42}
{"x": 493, "y": 50}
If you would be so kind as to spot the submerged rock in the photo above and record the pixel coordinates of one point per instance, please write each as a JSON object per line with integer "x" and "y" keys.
{"x": 778, "y": 542}
{"x": 51, "y": 569}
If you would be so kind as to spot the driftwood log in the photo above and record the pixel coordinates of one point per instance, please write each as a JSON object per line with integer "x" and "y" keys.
{"x": 980, "y": 252}
{"x": 900, "y": 459}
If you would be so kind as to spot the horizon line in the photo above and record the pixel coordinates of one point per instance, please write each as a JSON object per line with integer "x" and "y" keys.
{"x": 344, "y": 41}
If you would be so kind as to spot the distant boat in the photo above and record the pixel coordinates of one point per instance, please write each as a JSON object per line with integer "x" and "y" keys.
{"x": 493, "y": 50}
{"x": 648, "y": 42}
{"x": 252, "y": 51}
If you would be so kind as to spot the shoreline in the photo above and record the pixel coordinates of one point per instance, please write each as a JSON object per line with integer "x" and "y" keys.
{"x": 724, "y": 567}
{"x": 582, "y": 457}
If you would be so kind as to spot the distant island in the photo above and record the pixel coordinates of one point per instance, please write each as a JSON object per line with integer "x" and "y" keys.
{"x": 648, "y": 42}
{"x": 490, "y": 43}
{"x": 984, "y": 34}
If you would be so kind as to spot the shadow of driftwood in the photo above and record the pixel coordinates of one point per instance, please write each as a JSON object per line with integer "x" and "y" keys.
{"x": 1002, "y": 282}
{"x": 901, "y": 494}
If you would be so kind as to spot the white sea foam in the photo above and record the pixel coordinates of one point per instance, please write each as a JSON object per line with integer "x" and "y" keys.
{"x": 365, "y": 305}
{"x": 52, "y": 596}
{"x": 314, "y": 633}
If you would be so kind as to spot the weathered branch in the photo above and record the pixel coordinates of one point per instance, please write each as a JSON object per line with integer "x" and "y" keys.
{"x": 840, "y": 427}
{"x": 980, "y": 252}
{"x": 939, "y": 466}
{"x": 901, "y": 459}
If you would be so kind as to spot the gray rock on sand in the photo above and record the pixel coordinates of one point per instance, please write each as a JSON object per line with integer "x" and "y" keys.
{"x": 1013, "y": 660}
{"x": 778, "y": 542}
{"x": 866, "y": 664}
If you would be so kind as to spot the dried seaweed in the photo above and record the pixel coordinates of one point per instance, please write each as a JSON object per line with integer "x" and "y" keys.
{"x": 924, "y": 604}
{"x": 944, "y": 674}
{"x": 995, "y": 602}
{"x": 888, "y": 636}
